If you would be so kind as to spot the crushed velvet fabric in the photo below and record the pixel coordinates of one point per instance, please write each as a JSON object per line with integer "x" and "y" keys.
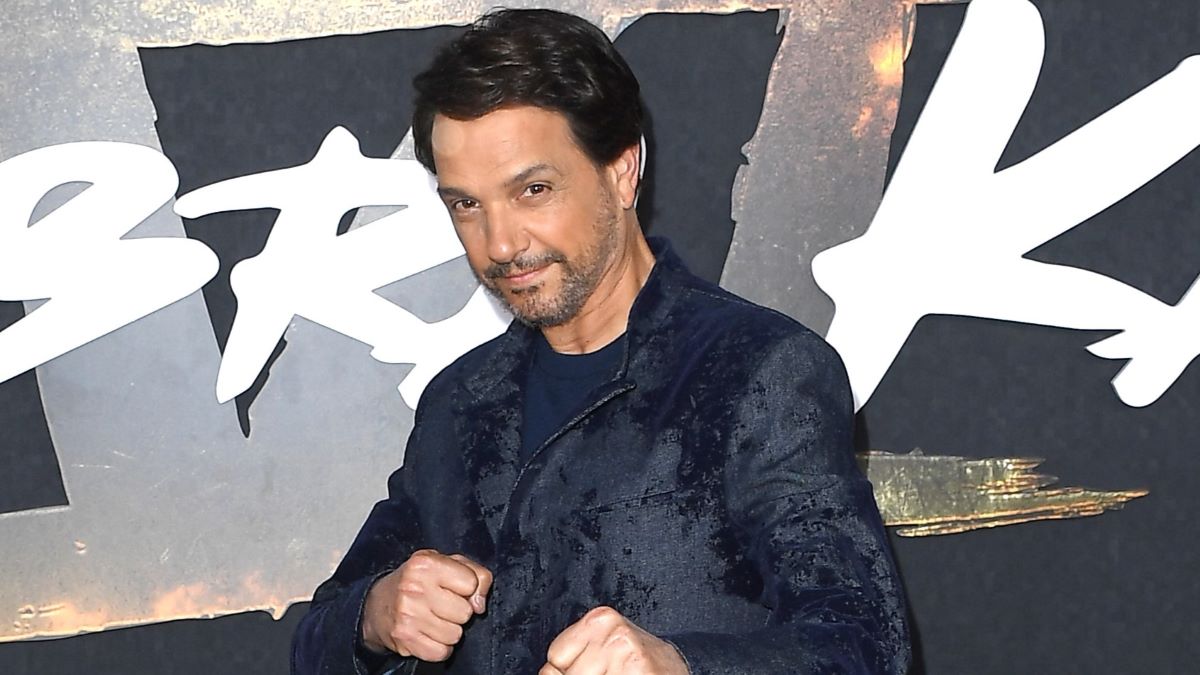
{"x": 708, "y": 492}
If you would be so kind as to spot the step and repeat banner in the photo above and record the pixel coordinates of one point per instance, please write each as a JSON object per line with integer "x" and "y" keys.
{"x": 224, "y": 283}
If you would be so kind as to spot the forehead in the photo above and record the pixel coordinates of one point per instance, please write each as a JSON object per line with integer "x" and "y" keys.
{"x": 502, "y": 141}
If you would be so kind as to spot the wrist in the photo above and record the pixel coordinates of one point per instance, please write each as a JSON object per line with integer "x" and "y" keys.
{"x": 681, "y": 660}
{"x": 369, "y": 644}
{"x": 368, "y": 637}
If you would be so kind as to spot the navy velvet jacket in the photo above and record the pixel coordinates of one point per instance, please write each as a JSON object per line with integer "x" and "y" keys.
{"x": 708, "y": 492}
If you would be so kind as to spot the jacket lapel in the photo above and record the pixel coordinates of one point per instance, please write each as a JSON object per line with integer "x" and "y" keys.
{"x": 489, "y": 422}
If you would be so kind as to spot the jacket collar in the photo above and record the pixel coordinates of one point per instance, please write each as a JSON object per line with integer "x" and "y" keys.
{"x": 490, "y": 400}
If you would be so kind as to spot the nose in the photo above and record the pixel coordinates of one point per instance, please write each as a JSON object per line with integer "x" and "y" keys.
{"x": 506, "y": 237}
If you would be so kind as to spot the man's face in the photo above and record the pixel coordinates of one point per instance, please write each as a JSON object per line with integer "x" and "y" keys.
{"x": 540, "y": 222}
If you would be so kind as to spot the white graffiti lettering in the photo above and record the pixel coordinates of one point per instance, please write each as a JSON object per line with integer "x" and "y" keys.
{"x": 95, "y": 281}
{"x": 305, "y": 269}
{"x": 98, "y": 282}
{"x": 950, "y": 233}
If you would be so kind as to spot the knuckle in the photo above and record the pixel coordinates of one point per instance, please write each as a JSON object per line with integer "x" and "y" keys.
{"x": 621, "y": 638}
{"x": 438, "y": 653}
{"x": 461, "y": 564}
{"x": 601, "y": 616}
{"x": 408, "y": 595}
{"x": 410, "y": 587}
{"x": 413, "y": 569}
{"x": 425, "y": 559}
{"x": 471, "y": 582}
{"x": 461, "y": 614}
{"x": 407, "y": 623}
{"x": 403, "y": 634}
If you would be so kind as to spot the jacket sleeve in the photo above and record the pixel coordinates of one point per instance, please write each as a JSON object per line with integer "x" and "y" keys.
{"x": 808, "y": 520}
{"x": 328, "y": 640}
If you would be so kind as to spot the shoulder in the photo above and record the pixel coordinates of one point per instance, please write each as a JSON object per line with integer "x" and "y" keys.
{"x": 431, "y": 441}
{"x": 441, "y": 388}
{"x": 760, "y": 369}
{"x": 772, "y": 359}
{"x": 729, "y": 322}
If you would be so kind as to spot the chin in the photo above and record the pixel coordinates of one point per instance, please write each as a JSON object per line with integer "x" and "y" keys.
{"x": 539, "y": 315}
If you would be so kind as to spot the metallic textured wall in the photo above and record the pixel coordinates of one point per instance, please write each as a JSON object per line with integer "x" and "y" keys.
{"x": 175, "y": 513}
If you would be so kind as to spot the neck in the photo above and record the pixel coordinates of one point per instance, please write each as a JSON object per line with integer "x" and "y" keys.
{"x": 605, "y": 315}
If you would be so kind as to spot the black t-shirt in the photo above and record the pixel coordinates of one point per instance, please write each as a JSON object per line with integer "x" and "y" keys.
{"x": 557, "y": 386}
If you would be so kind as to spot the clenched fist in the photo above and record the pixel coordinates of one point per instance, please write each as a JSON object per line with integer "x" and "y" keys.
{"x": 605, "y": 643}
{"x": 419, "y": 609}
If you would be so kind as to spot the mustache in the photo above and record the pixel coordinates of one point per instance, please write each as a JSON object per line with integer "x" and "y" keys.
{"x": 523, "y": 264}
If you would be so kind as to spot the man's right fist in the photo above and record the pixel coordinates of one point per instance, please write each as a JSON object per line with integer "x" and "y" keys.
{"x": 419, "y": 609}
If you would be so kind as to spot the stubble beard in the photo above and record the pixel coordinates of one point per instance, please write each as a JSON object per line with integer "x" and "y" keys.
{"x": 580, "y": 276}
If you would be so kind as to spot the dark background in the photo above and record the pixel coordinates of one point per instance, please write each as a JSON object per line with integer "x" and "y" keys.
{"x": 1114, "y": 594}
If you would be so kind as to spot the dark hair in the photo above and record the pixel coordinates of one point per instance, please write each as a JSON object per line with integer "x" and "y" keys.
{"x": 536, "y": 57}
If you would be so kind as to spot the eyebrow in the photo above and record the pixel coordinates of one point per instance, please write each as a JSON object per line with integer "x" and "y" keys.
{"x": 450, "y": 192}
{"x": 529, "y": 172}
{"x": 525, "y": 174}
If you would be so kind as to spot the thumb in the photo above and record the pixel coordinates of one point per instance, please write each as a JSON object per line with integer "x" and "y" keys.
{"x": 483, "y": 578}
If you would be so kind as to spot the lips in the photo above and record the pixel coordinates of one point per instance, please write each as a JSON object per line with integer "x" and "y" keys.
{"x": 524, "y": 278}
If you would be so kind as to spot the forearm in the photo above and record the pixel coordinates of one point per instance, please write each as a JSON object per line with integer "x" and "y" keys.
{"x": 808, "y": 520}
{"x": 816, "y": 648}
{"x": 328, "y": 640}
{"x": 835, "y": 603}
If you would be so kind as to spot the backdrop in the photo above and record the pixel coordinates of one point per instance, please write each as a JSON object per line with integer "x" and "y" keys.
{"x": 223, "y": 284}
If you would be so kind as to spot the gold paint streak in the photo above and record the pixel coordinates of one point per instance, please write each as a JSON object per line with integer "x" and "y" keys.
{"x": 881, "y": 96}
{"x": 931, "y": 495}
{"x": 864, "y": 118}
{"x": 887, "y": 60}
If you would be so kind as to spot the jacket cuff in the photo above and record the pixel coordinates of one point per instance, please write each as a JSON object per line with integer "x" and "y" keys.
{"x": 704, "y": 653}
{"x": 350, "y": 614}
{"x": 686, "y": 663}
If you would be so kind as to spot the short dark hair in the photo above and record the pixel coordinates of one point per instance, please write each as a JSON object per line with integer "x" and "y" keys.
{"x": 536, "y": 57}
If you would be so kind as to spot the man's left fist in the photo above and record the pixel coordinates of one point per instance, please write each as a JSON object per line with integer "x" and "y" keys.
{"x": 605, "y": 643}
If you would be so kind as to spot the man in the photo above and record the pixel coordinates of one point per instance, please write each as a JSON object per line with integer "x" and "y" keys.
{"x": 645, "y": 473}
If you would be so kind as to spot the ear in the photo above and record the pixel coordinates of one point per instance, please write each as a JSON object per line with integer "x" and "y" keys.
{"x": 625, "y": 174}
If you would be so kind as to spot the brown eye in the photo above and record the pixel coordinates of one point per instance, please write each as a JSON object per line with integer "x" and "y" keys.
{"x": 537, "y": 189}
